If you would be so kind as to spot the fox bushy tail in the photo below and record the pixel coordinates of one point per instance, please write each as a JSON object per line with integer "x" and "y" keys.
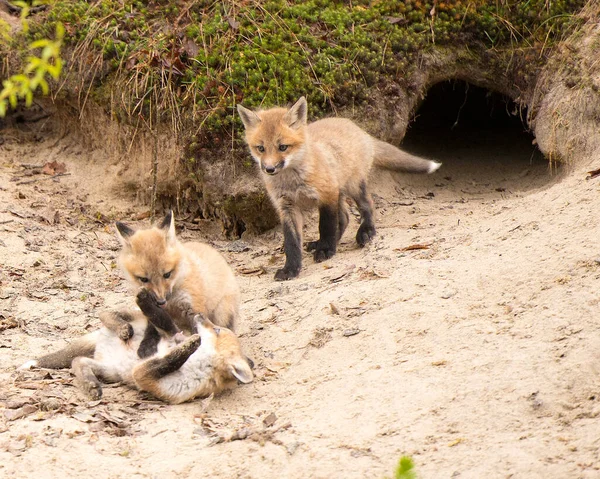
{"x": 84, "y": 346}
{"x": 391, "y": 158}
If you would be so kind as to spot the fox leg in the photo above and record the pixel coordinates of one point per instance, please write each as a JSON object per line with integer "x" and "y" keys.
{"x": 328, "y": 232}
{"x": 118, "y": 323}
{"x": 147, "y": 374}
{"x": 343, "y": 218}
{"x": 87, "y": 371}
{"x": 291, "y": 219}
{"x": 225, "y": 313}
{"x": 155, "y": 314}
{"x": 157, "y": 318}
{"x": 185, "y": 316}
{"x": 366, "y": 230}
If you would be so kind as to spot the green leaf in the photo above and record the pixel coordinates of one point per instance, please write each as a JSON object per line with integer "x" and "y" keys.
{"x": 47, "y": 53}
{"x": 45, "y": 87}
{"x": 20, "y": 78}
{"x": 54, "y": 70}
{"x": 60, "y": 31}
{"x": 39, "y": 44}
{"x": 405, "y": 468}
{"x": 2, "y": 108}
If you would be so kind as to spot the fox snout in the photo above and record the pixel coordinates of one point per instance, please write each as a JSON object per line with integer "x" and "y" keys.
{"x": 273, "y": 169}
{"x": 160, "y": 295}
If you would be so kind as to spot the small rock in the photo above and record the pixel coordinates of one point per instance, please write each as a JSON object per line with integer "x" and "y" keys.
{"x": 351, "y": 332}
{"x": 292, "y": 447}
{"x": 448, "y": 293}
{"x": 238, "y": 246}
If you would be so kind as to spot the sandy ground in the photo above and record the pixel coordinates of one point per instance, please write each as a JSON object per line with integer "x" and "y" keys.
{"x": 478, "y": 356}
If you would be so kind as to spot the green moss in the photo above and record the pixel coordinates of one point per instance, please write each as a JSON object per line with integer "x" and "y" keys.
{"x": 265, "y": 53}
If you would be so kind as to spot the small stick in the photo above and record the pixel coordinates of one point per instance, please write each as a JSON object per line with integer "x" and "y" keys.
{"x": 31, "y": 166}
{"x": 42, "y": 178}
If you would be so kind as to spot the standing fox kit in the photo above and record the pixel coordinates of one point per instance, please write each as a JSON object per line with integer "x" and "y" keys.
{"x": 185, "y": 278}
{"x": 322, "y": 162}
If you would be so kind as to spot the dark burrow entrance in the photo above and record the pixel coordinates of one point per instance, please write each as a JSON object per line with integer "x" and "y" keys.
{"x": 481, "y": 138}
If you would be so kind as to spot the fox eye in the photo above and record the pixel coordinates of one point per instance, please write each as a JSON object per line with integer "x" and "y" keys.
{"x": 260, "y": 148}
{"x": 142, "y": 279}
{"x": 283, "y": 147}
{"x": 167, "y": 275}
{"x": 217, "y": 331}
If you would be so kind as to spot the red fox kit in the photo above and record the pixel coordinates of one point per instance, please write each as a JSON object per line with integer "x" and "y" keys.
{"x": 179, "y": 370}
{"x": 322, "y": 162}
{"x": 186, "y": 278}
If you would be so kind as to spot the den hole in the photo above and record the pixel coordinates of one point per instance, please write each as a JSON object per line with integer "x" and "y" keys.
{"x": 482, "y": 140}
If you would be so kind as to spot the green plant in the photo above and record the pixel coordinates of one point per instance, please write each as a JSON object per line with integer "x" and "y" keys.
{"x": 405, "y": 469}
{"x": 37, "y": 69}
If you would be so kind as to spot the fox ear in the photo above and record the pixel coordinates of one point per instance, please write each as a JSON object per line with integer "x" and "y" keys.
{"x": 168, "y": 225}
{"x": 124, "y": 232}
{"x": 250, "y": 362}
{"x": 249, "y": 118}
{"x": 296, "y": 116}
{"x": 241, "y": 370}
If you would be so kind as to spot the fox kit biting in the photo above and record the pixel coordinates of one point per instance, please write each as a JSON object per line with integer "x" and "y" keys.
{"x": 320, "y": 163}
{"x": 186, "y": 278}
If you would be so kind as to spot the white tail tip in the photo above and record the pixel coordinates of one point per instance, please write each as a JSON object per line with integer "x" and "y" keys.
{"x": 28, "y": 365}
{"x": 434, "y": 166}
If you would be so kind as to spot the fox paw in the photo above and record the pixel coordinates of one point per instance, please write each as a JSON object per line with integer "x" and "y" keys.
{"x": 323, "y": 253}
{"x": 285, "y": 274}
{"x": 190, "y": 344}
{"x": 91, "y": 389}
{"x": 146, "y": 300}
{"x": 365, "y": 234}
{"x": 125, "y": 332}
{"x": 311, "y": 245}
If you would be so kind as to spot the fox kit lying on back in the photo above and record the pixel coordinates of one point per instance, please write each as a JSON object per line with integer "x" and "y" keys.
{"x": 186, "y": 278}
{"x": 180, "y": 369}
{"x": 323, "y": 162}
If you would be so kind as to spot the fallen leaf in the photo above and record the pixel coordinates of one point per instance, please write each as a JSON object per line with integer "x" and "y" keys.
{"x": 269, "y": 420}
{"x": 16, "y": 403}
{"x": 593, "y": 174}
{"x": 251, "y": 271}
{"x": 54, "y": 168}
{"x": 347, "y": 271}
{"x": 190, "y": 47}
{"x": 456, "y": 442}
{"x": 14, "y": 414}
{"x": 233, "y": 23}
{"x": 396, "y": 20}
{"x": 413, "y": 247}
{"x": 373, "y": 274}
{"x": 85, "y": 417}
{"x": 7, "y": 323}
